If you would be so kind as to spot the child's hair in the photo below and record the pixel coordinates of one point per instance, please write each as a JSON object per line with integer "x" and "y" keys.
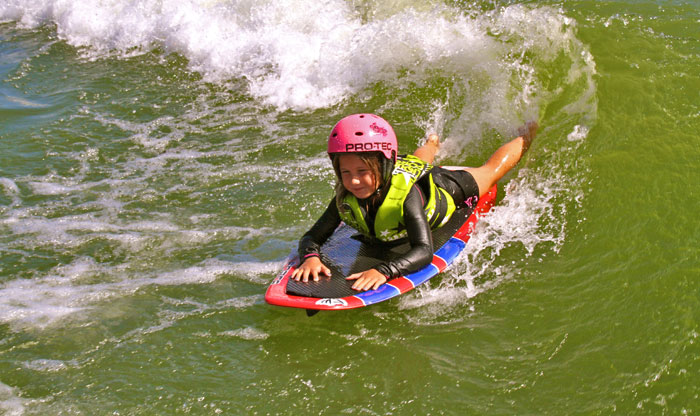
{"x": 372, "y": 160}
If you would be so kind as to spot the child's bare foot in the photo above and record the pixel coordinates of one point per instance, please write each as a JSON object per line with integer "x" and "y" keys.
{"x": 528, "y": 132}
{"x": 433, "y": 140}
{"x": 428, "y": 150}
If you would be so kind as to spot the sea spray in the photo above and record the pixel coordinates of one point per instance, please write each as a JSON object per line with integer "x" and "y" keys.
{"x": 256, "y": 60}
{"x": 301, "y": 56}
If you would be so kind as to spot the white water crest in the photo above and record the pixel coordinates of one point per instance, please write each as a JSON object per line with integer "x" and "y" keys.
{"x": 70, "y": 292}
{"x": 10, "y": 402}
{"x": 306, "y": 55}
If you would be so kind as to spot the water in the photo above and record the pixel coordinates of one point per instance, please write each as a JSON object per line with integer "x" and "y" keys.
{"x": 159, "y": 160}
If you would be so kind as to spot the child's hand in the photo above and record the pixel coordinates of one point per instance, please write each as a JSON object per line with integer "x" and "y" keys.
{"x": 312, "y": 266}
{"x": 370, "y": 279}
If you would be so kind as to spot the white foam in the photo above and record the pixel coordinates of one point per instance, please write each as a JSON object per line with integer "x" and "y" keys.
{"x": 299, "y": 54}
{"x": 168, "y": 317}
{"x": 70, "y": 291}
{"x": 10, "y": 403}
{"x": 23, "y": 102}
{"x": 48, "y": 188}
{"x": 46, "y": 365}
{"x": 579, "y": 133}
{"x": 247, "y": 333}
{"x": 211, "y": 269}
{"x": 9, "y": 188}
{"x": 72, "y": 231}
{"x": 63, "y": 293}
{"x": 435, "y": 123}
{"x": 529, "y": 222}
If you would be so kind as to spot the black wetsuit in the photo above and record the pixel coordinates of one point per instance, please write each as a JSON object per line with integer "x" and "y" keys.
{"x": 459, "y": 184}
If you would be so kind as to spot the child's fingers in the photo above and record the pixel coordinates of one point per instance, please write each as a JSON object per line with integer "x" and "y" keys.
{"x": 304, "y": 273}
{"x": 369, "y": 283}
{"x": 367, "y": 280}
{"x": 320, "y": 270}
{"x": 365, "y": 283}
{"x": 359, "y": 284}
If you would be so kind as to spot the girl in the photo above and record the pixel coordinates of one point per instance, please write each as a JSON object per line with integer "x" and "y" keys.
{"x": 387, "y": 197}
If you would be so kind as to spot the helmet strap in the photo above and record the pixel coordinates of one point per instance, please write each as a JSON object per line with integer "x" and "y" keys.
{"x": 387, "y": 169}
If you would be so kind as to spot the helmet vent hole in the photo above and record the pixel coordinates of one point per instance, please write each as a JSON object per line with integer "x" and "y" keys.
{"x": 358, "y": 133}
{"x": 362, "y": 116}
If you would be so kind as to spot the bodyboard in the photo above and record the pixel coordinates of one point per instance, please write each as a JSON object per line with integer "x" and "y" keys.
{"x": 346, "y": 254}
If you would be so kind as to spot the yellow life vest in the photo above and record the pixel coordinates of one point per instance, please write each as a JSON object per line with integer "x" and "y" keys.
{"x": 389, "y": 222}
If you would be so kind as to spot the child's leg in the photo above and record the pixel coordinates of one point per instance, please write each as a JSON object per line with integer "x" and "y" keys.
{"x": 427, "y": 151}
{"x": 503, "y": 160}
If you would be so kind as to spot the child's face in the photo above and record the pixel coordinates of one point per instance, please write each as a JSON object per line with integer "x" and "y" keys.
{"x": 357, "y": 177}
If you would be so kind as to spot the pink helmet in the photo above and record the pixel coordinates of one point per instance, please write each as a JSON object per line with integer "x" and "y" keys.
{"x": 363, "y": 133}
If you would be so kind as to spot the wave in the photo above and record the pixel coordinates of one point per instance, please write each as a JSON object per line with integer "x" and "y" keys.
{"x": 301, "y": 55}
{"x": 117, "y": 214}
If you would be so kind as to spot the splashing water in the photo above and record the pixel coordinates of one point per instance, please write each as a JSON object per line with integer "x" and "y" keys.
{"x": 296, "y": 55}
{"x": 145, "y": 208}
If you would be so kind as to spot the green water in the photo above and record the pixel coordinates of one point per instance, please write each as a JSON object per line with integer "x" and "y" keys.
{"x": 149, "y": 193}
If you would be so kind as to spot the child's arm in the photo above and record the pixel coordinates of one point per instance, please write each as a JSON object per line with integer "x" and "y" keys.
{"x": 310, "y": 245}
{"x": 504, "y": 159}
{"x": 420, "y": 254}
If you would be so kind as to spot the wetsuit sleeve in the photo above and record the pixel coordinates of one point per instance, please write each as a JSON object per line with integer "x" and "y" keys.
{"x": 310, "y": 243}
{"x": 419, "y": 237}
